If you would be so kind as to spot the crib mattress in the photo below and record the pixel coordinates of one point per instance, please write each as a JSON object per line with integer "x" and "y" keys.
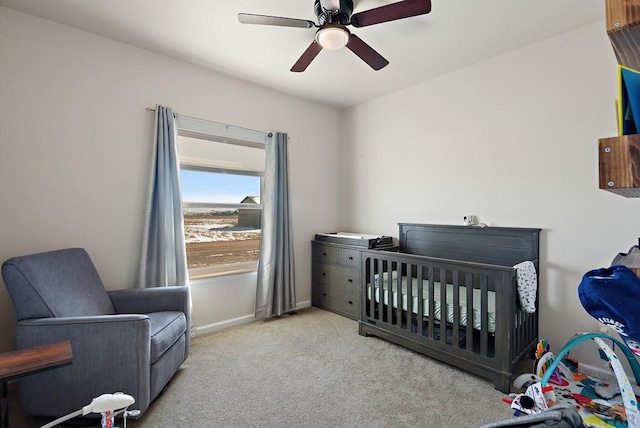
{"x": 477, "y": 311}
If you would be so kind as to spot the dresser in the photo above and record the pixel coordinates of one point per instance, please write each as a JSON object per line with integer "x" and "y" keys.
{"x": 336, "y": 278}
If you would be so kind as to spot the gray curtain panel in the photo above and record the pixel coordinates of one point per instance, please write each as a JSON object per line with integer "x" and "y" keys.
{"x": 164, "y": 255}
{"x": 276, "y": 276}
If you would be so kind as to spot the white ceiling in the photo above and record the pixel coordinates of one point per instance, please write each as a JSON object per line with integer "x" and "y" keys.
{"x": 455, "y": 34}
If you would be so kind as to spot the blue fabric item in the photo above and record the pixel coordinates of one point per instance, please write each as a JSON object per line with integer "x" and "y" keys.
{"x": 164, "y": 255}
{"x": 275, "y": 292}
{"x": 612, "y": 296}
{"x": 630, "y": 88}
{"x": 133, "y": 342}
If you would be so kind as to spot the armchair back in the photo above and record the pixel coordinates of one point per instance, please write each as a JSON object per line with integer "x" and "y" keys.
{"x": 62, "y": 283}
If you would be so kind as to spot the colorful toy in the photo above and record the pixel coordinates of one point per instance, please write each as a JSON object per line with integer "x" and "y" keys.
{"x": 524, "y": 380}
{"x": 544, "y": 359}
{"x": 543, "y": 363}
{"x": 627, "y": 394}
{"x": 109, "y": 405}
{"x": 605, "y": 410}
{"x": 542, "y": 348}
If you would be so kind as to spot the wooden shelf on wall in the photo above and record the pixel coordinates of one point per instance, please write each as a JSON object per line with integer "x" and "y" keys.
{"x": 621, "y": 13}
{"x": 619, "y": 157}
{"x": 619, "y": 164}
{"x": 623, "y": 17}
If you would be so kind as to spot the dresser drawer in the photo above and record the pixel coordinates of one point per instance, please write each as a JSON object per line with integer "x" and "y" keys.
{"x": 324, "y": 254}
{"x": 349, "y": 257}
{"x": 323, "y": 273}
{"x": 336, "y": 300}
{"x": 349, "y": 279}
{"x": 337, "y": 276}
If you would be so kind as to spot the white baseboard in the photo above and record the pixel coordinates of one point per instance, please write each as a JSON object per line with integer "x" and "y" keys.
{"x": 303, "y": 305}
{"x": 606, "y": 376}
{"x": 210, "y": 328}
{"x": 597, "y": 372}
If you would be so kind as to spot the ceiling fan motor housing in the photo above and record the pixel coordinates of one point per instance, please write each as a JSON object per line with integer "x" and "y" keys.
{"x": 340, "y": 16}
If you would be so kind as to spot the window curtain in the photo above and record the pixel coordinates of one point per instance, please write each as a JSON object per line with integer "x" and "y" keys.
{"x": 164, "y": 255}
{"x": 276, "y": 277}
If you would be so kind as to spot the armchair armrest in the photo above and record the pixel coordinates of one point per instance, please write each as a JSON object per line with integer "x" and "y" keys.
{"x": 146, "y": 300}
{"x": 110, "y": 353}
{"x": 156, "y": 299}
{"x": 112, "y": 330}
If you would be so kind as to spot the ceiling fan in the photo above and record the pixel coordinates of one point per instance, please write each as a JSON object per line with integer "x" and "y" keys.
{"x": 333, "y": 18}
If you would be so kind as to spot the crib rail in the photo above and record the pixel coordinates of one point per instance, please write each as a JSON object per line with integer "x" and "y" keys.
{"x": 465, "y": 313}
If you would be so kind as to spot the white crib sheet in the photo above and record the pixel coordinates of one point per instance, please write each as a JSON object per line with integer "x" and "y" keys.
{"x": 477, "y": 318}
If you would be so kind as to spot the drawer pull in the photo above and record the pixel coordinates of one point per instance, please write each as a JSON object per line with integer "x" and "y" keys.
{"x": 350, "y": 280}
{"x": 350, "y": 257}
{"x": 324, "y": 294}
{"x": 324, "y": 254}
{"x": 324, "y": 274}
{"x": 350, "y": 302}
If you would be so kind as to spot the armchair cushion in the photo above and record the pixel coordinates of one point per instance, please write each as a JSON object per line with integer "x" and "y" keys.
{"x": 166, "y": 329}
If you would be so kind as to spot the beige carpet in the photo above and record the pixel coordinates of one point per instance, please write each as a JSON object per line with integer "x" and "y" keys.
{"x": 312, "y": 369}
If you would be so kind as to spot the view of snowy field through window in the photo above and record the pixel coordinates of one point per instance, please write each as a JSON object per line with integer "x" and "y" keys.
{"x": 214, "y": 237}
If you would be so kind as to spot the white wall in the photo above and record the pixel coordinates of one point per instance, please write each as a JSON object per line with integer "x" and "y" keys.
{"x": 75, "y": 158}
{"x": 512, "y": 140}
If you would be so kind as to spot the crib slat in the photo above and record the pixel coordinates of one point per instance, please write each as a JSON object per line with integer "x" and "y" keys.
{"x": 530, "y": 330}
{"x": 521, "y": 322}
{"x": 520, "y": 326}
{"x": 469, "y": 288}
{"x": 455, "y": 281}
{"x": 484, "y": 316}
{"x": 420, "y": 294}
{"x": 409, "y": 313}
{"x": 372, "y": 298}
{"x": 443, "y": 305}
{"x": 530, "y": 327}
{"x": 399, "y": 294}
{"x": 432, "y": 305}
{"x": 389, "y": 293}
{"x": 380, "y": 296}
{"x": 369, "y": 286}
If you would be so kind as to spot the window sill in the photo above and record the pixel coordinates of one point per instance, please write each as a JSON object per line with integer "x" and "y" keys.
{"x": 197, "y": 274}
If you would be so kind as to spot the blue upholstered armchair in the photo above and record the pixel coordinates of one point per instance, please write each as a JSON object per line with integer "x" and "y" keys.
{"x": 132, "y": 340}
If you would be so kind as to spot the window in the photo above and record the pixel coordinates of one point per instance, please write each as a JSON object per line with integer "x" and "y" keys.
{"x": 222, "y": 180}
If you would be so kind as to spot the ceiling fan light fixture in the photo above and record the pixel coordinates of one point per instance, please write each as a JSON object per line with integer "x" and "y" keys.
{"x": 332, "y": 37}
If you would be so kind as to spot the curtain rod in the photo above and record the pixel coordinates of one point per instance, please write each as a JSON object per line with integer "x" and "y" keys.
{"x": 269, "y": 134}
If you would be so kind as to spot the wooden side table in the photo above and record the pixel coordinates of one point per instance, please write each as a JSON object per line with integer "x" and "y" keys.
{"x": 24, "y": 362}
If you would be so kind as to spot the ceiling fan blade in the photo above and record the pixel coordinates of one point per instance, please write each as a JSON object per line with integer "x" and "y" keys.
{"x": 249, "y": 18}
{"x": 391, "y": 12}
{"x": 366, "y": 53}
{"x": 303, "y": 62}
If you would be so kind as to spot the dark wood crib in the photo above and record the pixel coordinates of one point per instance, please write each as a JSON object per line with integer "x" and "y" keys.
{"x": 450, "y": 292}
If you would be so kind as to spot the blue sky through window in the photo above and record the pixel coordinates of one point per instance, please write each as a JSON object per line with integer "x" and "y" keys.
{"x": 200, "y": 186}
